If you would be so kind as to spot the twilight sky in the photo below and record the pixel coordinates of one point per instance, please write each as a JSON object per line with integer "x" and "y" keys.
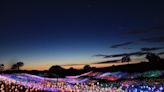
{"x": 44, "y": 33}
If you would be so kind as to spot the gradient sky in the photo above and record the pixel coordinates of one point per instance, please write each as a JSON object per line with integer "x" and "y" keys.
{"x": 44, "y": 33}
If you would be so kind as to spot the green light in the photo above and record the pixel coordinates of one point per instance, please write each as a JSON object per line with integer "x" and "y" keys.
{"x": 152, "y": 74}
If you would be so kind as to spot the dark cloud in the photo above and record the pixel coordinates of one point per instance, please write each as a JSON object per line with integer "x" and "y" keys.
{"x": 100, "y": 55}
{"x": 156, "y": 29}
{"x": 134, "y": 32}
{"x": 124, "y": 54}
{"x": 110, "y": 61}
{"x": 115, "y": 55}
{"x": 127, "y": 48}
{"x": 153, "y": 39}
{"x": 158, "y": 39}
{"x": 139, "y": 53}
{"x": 71, "y": 64}
{"x": 146, "y": 30}
{"x": 122, "y": 44}
{"x": 151, "y": 49}
{"x": 160, "y": 53}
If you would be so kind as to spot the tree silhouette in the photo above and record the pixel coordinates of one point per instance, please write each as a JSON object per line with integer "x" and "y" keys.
{"x": 87, "y": 67}
{"x": 14, "y": 67}
{"x": 56, "y": 68}
{"x": 19, "y": 64}
{"x": 71, "y": 69}
{"x": 152, "y": 57}
{"x": 125, "y": 59}
{"x": 1, "y": 67}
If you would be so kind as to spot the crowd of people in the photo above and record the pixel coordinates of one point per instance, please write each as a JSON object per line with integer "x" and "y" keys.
{"x": 29, "y": 83}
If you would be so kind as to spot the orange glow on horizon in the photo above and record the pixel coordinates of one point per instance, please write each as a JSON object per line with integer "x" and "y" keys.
{"x": 76, "y": 66}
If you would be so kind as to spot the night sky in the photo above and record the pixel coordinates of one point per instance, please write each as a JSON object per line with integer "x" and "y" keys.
{"x": 59, "y": 32}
